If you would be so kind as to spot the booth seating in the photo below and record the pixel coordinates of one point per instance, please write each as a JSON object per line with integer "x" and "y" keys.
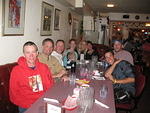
{"x": 146, "y": 54}
{"x": 5, "y": 105}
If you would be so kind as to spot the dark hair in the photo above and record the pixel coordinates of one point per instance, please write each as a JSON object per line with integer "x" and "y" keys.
{"x": 109, "y": 50}
{"x": 60, "y": 41}
{"x": 48, "y": 40}
{"x": 89, "y": 42}
{"x": 72, "y": 40}
{"x": 29, "y": 43}
{"x": 120, "y": 41}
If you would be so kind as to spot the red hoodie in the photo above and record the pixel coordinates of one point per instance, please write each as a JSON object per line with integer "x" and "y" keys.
{"x": 27, "y": 85}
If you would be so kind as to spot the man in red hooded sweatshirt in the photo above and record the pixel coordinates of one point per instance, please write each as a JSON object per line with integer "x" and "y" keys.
{"x": 29, "y": 79}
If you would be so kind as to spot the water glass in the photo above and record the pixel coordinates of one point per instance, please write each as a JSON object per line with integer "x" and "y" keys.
{"x": 95, "y": 58}
{"x": 83, "y": 72}
{"x": 92, "y": 65}
{"x": 72, "y": 79}
{"x": 86, "y": 98}
{"x": 103, "y": 91}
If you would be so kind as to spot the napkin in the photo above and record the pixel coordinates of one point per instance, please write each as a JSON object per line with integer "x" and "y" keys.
{"x": 51, "y": 100}
{"x": 101, "y": 104}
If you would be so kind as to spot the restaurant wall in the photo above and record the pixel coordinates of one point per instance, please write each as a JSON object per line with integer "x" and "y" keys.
{"x": 11, "y": 46}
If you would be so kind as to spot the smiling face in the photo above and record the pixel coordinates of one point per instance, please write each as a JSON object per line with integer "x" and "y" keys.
{"x": 89, "y": 46}
{"x": 117, "y": 46}
{"x": 109, "y": 58}
{"x": 48, "y": 47}
{"x": 30, "y": 53}
{"x": 72, "y": 45}
{"x": 60, "y": 46}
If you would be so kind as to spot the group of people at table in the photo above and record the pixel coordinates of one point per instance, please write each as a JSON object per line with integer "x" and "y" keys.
{"x": 37, "y": 72}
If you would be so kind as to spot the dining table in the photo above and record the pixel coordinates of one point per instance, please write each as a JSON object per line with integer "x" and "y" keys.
{"x": 61, "y": 90}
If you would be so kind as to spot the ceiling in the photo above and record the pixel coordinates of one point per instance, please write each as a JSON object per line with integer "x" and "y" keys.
{"x": 121, "y": 6}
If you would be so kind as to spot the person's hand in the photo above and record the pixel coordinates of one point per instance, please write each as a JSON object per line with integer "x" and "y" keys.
{"x": 90, "y": 51}
{"x": 65, "y": 78}
{"x": 61, "y": 73}
{"x": 110, "y": 77}
{"x": 107, "y": 74}
{"x": 117, "y": 61}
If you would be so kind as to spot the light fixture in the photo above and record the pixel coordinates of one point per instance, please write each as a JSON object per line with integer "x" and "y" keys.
{"x": 147, "y": 24}
{"x": 110, "y": 5}
{"x": 118, "y": 29}
{"x": 143, "y": 30}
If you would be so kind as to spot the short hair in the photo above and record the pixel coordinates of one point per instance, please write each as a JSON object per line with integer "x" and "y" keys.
{"x": 72, "y": 40}
{"x": 109, "y": 51}
{"x": 29, "y": 43}
{"x": 120, "y": 41}
{"x": 47, "y": 40}
{"x": 60, "y": 41}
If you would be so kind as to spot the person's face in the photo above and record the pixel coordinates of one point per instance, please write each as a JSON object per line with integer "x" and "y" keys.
{"x": 84, "y": 45}
{"x": 48, "y": 48}
{"x": 117, "y": 46}
{"x": 89, "y": 46}
{"x": 30, "y": 53}
{"x": 60, "y": 47}
{"x": 109, "y": 58}
{"x": 72, "y": 44}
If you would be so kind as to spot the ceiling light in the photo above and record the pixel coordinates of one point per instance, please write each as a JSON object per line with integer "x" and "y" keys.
{"x": 110, "y": 5}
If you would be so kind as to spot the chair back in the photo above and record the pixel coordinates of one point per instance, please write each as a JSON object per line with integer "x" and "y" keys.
{"x": 139, "y": 84}
{"x": 138, "y": 69}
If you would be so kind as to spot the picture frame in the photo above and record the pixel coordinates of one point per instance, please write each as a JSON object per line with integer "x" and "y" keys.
{"x": 14, "y": 17}
{"x": 46, "y": 19}
{"x": 57, "y": 19}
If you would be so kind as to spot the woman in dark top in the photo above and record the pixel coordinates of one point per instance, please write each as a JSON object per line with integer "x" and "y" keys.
{"x": 90, "y": 51}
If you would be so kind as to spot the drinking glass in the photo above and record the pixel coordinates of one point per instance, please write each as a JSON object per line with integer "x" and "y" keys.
{"x": 86, "y": 98}
{"x": 72, "y": 78}
{"x": 103, "y": 91}
{"x": 95, "y": 59}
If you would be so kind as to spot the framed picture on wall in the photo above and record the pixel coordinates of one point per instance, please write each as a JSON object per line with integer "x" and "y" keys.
{"x": 57, "y": 19}
{"x": 14, "y": 17}
{"x": 46, "y": 19}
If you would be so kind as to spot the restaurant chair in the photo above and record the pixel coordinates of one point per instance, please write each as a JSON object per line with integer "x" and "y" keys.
{"x": 138, "y": 69}
{"x": 139, "y": 86}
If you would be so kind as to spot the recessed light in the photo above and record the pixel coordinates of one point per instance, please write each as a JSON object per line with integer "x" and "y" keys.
{"x": 110, "y": 5}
